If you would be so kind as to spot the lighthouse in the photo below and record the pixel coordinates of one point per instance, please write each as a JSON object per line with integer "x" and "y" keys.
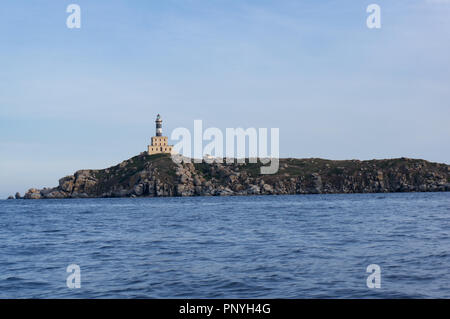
{"x": 159, "y": 143}
{"x": 158, "y": 125}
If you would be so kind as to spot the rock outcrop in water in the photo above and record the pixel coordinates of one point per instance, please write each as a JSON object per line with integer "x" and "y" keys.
{"x": 158, "y": 175}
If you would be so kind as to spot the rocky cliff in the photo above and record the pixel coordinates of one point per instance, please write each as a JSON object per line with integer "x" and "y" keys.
{"x": 158, "y": 175}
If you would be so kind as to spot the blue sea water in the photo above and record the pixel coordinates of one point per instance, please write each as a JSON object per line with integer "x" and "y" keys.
{"x": 300, "y": 246}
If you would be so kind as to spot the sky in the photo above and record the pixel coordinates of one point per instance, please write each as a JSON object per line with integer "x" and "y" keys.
{"x": 83, "y": 98}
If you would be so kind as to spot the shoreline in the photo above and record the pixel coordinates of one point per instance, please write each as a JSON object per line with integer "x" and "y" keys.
{"x": 234, "y": 195}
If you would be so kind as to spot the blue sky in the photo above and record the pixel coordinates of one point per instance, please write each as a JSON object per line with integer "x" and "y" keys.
{"x": 87, "y": 98}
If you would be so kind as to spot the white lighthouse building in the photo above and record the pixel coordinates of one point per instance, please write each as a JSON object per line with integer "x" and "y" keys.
{"x": 159, "y": 143}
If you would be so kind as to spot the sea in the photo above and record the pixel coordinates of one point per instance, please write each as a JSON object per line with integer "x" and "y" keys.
{"x": 295, "y": 246}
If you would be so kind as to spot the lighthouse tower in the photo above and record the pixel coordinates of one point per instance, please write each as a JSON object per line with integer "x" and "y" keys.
{"x": 159, "y": 144}
{"x": 158, "y": 125}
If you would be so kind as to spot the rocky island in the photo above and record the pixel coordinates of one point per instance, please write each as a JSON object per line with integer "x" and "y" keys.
{"x": 157, "y": 175}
